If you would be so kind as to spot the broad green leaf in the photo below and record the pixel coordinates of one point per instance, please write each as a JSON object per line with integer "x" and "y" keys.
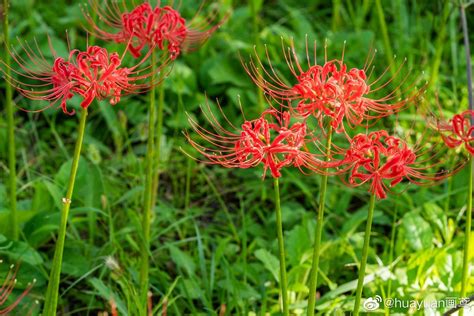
{"x": 270, "y": 262}
{"x": 297, "y": 241}
{"x": 418, "y": 232}
{"x": 39, "y": 228}
{"x": 21, "y": 252}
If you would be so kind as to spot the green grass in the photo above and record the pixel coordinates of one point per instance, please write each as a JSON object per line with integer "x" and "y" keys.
{"x": 213, "y": 240}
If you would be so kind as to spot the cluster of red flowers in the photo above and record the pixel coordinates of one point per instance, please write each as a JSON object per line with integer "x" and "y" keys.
{"x": 96, "y": 73}
{"x": 340, "y": 96}
{"x": 458, "y": 131}
{"x": 153, "y": 27}
{"x": 378, "y": 157}
{"x": 329, "y": 91}
{"x": 93, "y": 74}
{"x": 271, "y": 140}
{"x": 332, "y": 91}
{"x": 142, "y": 26}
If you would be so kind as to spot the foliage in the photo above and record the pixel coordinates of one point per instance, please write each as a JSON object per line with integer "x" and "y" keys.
{"x": 213, "y": 237}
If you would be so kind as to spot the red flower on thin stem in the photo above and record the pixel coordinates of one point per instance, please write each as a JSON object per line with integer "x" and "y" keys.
{"x": 383, "y": 161}
{"x": 7, "y": 288}
{"x": 458, "y": 131}
{"x": 94, "y": 74}
{"x": 271, "y": 140}
{"x": 331, "y": 90}
{"x": 145, "y": 25}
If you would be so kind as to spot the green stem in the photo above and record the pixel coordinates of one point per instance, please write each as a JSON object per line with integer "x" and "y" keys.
{"x": 111, "y": 224}
{"x": 448, "y": 198}
{"x": 317, "y": 234}
{"x": 365, "y": 252}
{"x": 13, "y": 218}
{"x": 187, "y": 194}
{"x": 159, "y": 133}
{"x": 148, "y": 198}
{"x": 51, "y": 300}
{"x": 244, "y": 240}
{"x": 467, "y": 235}
{"x": 281, "y": 250}
{"x": 391, "y": 253}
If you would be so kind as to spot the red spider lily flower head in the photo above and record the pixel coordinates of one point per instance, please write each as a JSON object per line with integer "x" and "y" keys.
{"x": 383, "y": 161}
{"x": 145, "y": 25}
{"x": 7, "y": 288}
{"x": 331, "y": 90}
{"x": 271, "y": 140}
{"x": 94, "y": 74}
{"x": 458, "y": 131}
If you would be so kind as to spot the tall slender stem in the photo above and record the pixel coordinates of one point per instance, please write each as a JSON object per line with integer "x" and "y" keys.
{"x": 159, "y": 133}
{"x": 392, "y": 248}
{"x": 148, "y": 199}
{"x": 281, "y": 250}
{"x": 317, "y": 234}
{"x": 51, "y": 301}
{"x": 467, "y": 235}
{"x": 13, "y": 218}
{"x": 365, "y": 252}
{"x": 187, "y": 194}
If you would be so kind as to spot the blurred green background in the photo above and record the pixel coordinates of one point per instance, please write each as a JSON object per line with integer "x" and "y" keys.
{"x": 214, "y": 241}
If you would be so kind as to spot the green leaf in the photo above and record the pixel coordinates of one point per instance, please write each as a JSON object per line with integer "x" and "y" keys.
{"x": 438, "y": 219}
{"x": 297, "y": 242}
{"x": 222, "y": 70}
{"x": 39, "y": 228}
{"x": 20, "y": 251}
{"x": 56, "y": 194}
{"x": 270, "y": 262}
{"x": 418, "y": 232}
{"x": 182, "y": 259}
{"x": 74, "y": 263}
{"x": 192, "y": 289}
{"x": 42, "y": 199}
{"x": 93, "y": 188}
{"x": 107, "y": 294}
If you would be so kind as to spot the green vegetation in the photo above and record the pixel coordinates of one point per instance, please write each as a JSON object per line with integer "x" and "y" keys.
{"x": 213, "y": 246}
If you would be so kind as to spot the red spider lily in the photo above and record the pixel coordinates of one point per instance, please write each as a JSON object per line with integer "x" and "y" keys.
{"x": 93, "y": 74}
{"x": 458, "y": 131}
{"x": 331, "y": 90}
{"x": 383, "y": 161}
{"x": 142, "y": 26}
{"x": 7, "y": 288}
{"x": 271, "y": 140}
